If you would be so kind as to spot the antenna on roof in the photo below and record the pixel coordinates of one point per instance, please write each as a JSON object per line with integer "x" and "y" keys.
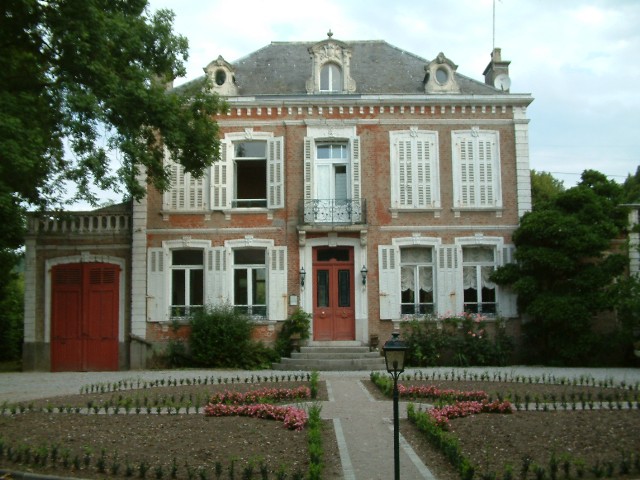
{"x": 493, "y": 41}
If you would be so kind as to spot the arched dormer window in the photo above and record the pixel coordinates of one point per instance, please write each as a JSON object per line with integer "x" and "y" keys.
{"x": 330, "y": 68}
{"x": 330, "y": 78}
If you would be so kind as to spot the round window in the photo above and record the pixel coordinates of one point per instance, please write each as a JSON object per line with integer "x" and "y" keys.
{"x": 221, "y": 77}
{"x": 442, "y": 75}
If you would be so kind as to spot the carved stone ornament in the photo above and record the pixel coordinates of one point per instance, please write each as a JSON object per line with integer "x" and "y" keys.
{"x": 222, "y": 75}
{"x": 440, "y": 76}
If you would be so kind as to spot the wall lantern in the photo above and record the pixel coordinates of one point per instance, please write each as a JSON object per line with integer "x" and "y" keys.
{"x": 363, "y": 272}
{"x": 303, "y": 274}
{"x": 394, "y": 352}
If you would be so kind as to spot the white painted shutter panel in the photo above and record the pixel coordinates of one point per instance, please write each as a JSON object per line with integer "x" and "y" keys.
{"x": 405, "y": 173}
{"x": 177, "y": 192}
{"x": 222, "y": 175}
{"x": 219, "y": 281}
{"x": 389, "y": 285}
{"x": 157, "y": 283}
{"x": 449, "y": 302}
{"x": 424, "y": 171}
{"x": 277, "y": 306}
{"x": 309, "y": 147}
{"x": 507, "y": 298}
{"x": 485, "y": 172}
{"x": 275, "y": 173}
{"x": 355, "y": 168}
{"x": 465, "y": 148}
{"x": 196, "y": 192}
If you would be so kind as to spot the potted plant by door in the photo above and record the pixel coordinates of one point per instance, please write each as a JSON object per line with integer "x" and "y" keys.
{"x": 296, "y": 328}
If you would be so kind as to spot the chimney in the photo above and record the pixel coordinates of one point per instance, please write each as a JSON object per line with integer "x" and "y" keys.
{"x": 497, "y": 72}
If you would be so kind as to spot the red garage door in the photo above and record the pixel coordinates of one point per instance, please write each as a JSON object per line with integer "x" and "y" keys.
{"x": 84, "y": 317}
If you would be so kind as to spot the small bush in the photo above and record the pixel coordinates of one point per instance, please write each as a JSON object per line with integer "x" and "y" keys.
{"x": 221, "y": 337}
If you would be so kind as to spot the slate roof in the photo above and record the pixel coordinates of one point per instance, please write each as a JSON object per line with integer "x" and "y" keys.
{"x": 378, "y": 68}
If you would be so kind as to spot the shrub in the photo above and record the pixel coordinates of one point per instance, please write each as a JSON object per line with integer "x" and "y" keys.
{"x": 221, "y": 337}
{"x": 297, "y": 324}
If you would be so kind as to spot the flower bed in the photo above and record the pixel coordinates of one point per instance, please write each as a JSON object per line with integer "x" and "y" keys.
{"x": 251, "y": 404}
{"x": 442, "y": 415}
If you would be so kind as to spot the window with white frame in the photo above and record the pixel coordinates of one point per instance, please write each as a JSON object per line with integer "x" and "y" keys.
{"x": 250, "y": 281}
{"x": 186, "y": 193}
{"x": 414, "y": 169}
{"x": 187, "y": 281}
{"x": 478, "y": 262}
{"x": 476, "y": 169}
{"x": 249, "y": 173}
{"x": 330, "y": 78}
{"x": 416, "y": 281}
{"x": 332, "y": 179}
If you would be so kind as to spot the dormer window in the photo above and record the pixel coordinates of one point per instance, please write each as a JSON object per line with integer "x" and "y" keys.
{"x": 330, "y": 68}
{"x": 440, "y": 76}
{"x": 222, "y": 76}
{"x": 331, "y": 78}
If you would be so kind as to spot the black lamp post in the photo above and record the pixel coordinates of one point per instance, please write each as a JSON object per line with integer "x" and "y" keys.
{"x": 394, "y": 351}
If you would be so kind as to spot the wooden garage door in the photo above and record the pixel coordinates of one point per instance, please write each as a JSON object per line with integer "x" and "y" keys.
{"x": 84, "y": 317}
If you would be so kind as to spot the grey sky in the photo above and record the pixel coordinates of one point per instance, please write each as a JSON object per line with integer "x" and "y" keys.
{"x": 580, "y": 59}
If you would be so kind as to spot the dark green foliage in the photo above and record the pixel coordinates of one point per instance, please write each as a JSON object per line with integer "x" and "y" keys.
{"x": 11, "y": 316}
{"x": 221, "y": 337}
{"x": 544, "y": 187}
{"x": 563, "y": 276}
{"x": 462, "y": 340}
{"x": 298, "y": 324}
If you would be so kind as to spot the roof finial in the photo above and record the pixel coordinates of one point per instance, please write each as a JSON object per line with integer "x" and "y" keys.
{"x": 329, "y": 33}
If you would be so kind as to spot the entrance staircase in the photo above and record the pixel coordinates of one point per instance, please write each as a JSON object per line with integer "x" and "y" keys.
{"x": 332, "y": 359}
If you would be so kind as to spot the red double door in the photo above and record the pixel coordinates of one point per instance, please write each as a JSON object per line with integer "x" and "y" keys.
{"x": 333, "y": 294}
{"x": 84, "y": 317}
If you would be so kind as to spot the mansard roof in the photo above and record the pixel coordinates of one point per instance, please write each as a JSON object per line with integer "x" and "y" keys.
{"x": 378, "y": 68}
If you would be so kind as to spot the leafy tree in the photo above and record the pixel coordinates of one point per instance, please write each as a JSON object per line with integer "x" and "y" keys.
{"x": 564, "y": 275}
{"x": 631, "y": 188}
{"x": 544, "y": 187}
{"x": 80, "y": 80}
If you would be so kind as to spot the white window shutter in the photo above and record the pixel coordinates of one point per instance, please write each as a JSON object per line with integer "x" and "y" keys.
{"x": 196, "y": 192}
{"x": 449, "y": 302}
{"x": 309, "y": 147}
{"x": 157, "y": 284}
{"x": 424, "y": 175}
{"x": 218, "y": 281}
{"x": 485, "y": 172}
{"x": 389, "y": 284}
{"x": 467, "y": 172}
{"x": 405, "y": 173}
{"x": 222, "y": 176}
{"x": 175, "y": 197}
{"x": 277, "y": 306}
{"x": 507, "y": 298}
{"x": 275, "y": 173}
{"x": 355, "y": 168}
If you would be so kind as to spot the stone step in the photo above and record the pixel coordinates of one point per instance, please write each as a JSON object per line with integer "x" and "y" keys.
{"x": 332, "y": 358}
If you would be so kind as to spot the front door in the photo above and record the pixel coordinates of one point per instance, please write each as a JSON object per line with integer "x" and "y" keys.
{"x": 333, "y": 294}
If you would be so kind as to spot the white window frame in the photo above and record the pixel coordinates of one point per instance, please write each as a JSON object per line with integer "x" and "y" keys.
{"x": 251, "y": 270}
{"x": 223, "y": 172}
{"x": 416, "y": 268}
{"x": 188, "y": 306}
{"x": 415, "y": 170}
{"x": 476, "y": 169}
{"x": 334, "y": 84}
{"x": 389, "y": 266}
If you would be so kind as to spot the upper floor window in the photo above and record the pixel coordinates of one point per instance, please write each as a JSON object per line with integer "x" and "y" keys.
{"x": 416, "y": 281}
{"x": 330, "y": 78}
{"x": 250, "y": 174}
{"x": 414, "y": 169}
{"x": 187, "y": 281}
{"x": 187, "y": 193}
{"x": 476, "y": 169}
{"x": 478, "y": 262}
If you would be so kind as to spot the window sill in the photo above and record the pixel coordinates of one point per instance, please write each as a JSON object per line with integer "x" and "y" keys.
{"x": 458, "y": 210}
{"x": 395, "y": 211}
{"x": 204, "y": 212}
{"x": 247, "y": 211}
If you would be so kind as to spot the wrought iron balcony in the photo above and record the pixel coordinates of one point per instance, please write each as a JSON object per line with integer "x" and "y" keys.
{"x": 333, "y": 212}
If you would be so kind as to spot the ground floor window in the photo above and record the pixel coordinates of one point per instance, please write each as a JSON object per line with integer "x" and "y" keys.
{"x": 478, "y": 262}
{"x": 250, "y": 281}
{"x": 187, "y": 281}
{"x": 416, "y": 281}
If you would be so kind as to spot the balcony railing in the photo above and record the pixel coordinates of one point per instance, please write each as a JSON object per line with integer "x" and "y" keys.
{"x": 333, "y": 212}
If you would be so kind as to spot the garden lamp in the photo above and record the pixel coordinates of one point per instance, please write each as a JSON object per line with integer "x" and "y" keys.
{"x": 394, "y": 353}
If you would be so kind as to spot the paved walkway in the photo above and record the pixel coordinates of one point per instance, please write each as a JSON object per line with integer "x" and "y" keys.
{"x": 364, "y": 427}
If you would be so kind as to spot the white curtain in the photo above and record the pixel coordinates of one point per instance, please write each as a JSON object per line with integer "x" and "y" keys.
{"x": 408, "y": 278}
{"x": 470, "y": 279}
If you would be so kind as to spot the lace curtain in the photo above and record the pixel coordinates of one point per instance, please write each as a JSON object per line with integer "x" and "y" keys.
{"x": 469, "y": 275}
{"x": 408, "y": 278}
